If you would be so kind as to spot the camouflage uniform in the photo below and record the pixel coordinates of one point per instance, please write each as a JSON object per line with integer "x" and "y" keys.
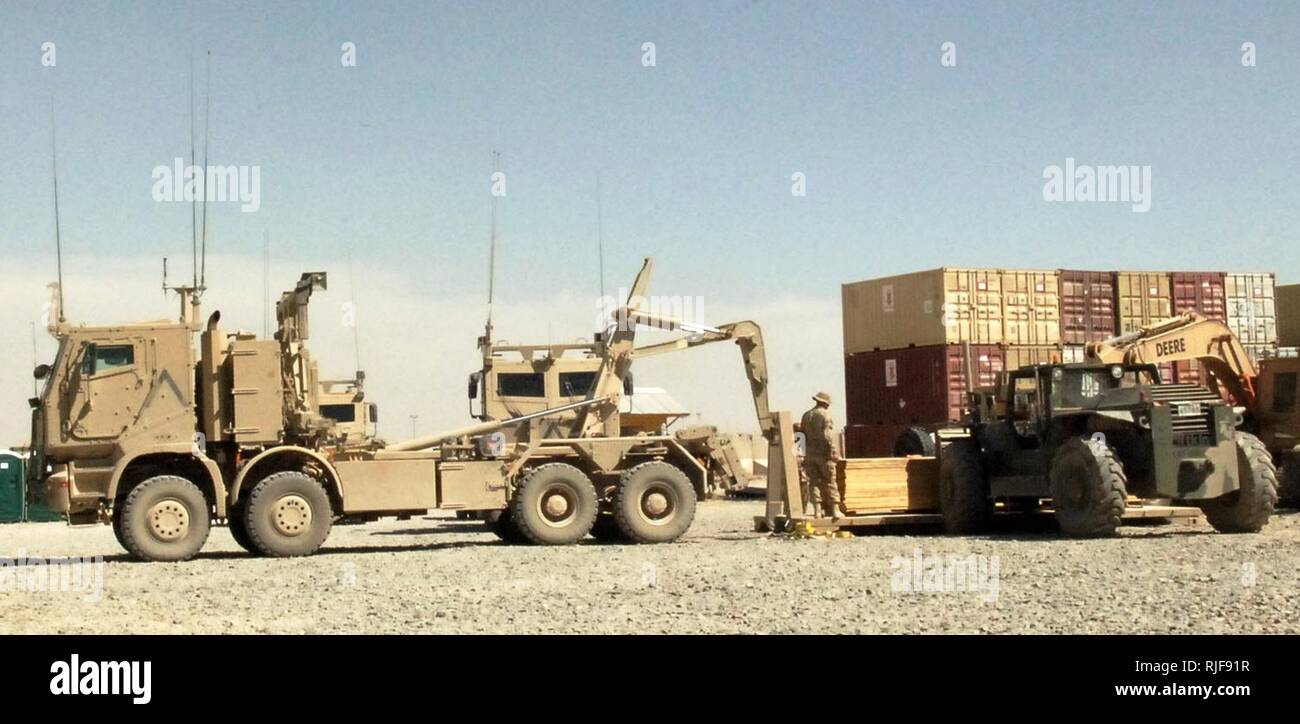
{"x": 819, "y": 457}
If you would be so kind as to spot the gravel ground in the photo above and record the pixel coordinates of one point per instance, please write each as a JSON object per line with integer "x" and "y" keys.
{"x": 437, "y": 574}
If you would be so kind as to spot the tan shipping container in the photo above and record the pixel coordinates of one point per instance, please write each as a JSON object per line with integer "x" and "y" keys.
{"x": 1143, "y": 298}
{"x": 1288, "y": 315}
{"x": 1252, "y": 308}
{"x": 951, "y": 306}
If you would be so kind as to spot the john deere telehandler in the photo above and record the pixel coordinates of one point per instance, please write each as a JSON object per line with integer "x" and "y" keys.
{"x": 1088, "y": 435}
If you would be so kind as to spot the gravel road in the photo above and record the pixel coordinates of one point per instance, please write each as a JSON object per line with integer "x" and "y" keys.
{"x": 437, "y": 574}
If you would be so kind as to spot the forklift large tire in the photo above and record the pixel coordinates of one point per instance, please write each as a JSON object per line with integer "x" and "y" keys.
{"x": 914, "y": 441}
{"x": 606, "y": 529}
{"x": 238, "y": 525}
{"x": 164, "y": 518}
{"x": 1247, "y": 509}
{"x": 654, "y": 503}
{"x": 964, "y": 488}
{"x": 288, "y": 514}
{"x": 1089, "y": 488}
{"x": 555, "y": 504}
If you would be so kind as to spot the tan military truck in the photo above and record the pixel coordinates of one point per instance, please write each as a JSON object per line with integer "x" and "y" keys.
{"x": 135, "y": 429}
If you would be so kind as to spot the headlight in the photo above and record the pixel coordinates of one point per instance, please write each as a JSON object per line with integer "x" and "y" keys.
{"x": 1117, "y": 372}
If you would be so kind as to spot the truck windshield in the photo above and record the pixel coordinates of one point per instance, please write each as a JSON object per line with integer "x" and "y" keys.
{"x": 1078, "y": 388}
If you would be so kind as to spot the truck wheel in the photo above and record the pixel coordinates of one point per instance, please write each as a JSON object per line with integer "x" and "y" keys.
{"x": 914, "y": 441}
{"x": 164, "y": 518}
{"x": 606, "y": 529}
{"x": 654, "y": 503}
{"x": 1247, "y": 509}
{"x": 503, "y": 525}
{"x": 287, "y": 514}
{"x": 238, "y": 525}
{"x": 555, "y": 504}
{"x": 964, "y": 488}
{"x": 1089, "y": 488}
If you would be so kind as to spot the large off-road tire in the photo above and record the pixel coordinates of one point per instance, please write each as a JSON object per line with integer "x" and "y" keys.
{"x": 1289, "y": 492}
{"x": 287, "y": 514}
{"x": 554, "y": 504}
{"x": 606, "y": 529}
{"x": 914, "y": 441}
{"x": 1089, "y": 488}
{"x": 654, "y": 503}
{"x": 238, "y": 525}
{"x": 1247, "y": 509}
{"x": 964, "y": 488}
{"x": 164, "y": 518}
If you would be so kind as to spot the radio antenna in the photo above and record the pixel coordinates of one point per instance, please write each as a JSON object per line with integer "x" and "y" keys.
{"x": 600, "y": 238}
{"x": 207, "y": 114}
{"x": 492, "y": 250}
{"x": 58, "y": 237}
{"x": 194, "y": 214}
{"x": 352, "y": 292}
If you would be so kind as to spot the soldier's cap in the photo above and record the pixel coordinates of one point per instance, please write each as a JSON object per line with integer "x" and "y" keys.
{"x": 822, "y": 397}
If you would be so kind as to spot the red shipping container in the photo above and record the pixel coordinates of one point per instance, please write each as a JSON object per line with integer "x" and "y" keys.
{"x": 916, "y": 385}
{"x": 1087, "y": 306}
{"x": 1201, "y": 292}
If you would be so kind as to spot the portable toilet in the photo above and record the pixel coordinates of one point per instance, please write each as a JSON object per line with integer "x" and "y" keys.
{"x": 12, "y": 487}
{"x": 14, "y": 507}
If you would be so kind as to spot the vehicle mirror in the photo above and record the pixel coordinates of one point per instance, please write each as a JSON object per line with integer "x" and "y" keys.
{"x": 473, "y": 385}
{"x": 627, "y": 385}
{"x": 374, "y": 412}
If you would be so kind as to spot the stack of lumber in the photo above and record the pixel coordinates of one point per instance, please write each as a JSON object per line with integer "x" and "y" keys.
{"x": 883, "y": 485}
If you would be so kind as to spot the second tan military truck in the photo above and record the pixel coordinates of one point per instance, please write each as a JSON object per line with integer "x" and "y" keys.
{"x": 136, "y": 429}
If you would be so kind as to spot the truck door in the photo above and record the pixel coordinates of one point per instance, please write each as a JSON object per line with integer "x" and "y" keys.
{"x": 109, "y": 387}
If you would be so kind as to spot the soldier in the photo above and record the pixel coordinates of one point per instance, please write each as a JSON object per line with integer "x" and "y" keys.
{"x": 821, "y": 454}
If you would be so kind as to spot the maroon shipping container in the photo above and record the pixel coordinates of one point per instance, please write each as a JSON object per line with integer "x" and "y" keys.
{"x": 916, "y": 385}
{"x": 1201, "y": 292}
{"x": 1087, "y": 306}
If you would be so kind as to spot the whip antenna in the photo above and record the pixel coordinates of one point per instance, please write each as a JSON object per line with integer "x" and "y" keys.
{"x": 58, "y": 238}
{"x": 207, "y": 114}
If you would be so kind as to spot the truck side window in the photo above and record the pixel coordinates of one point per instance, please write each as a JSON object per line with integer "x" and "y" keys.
{"x": 340, "y": 413}
{"x": 521, "y": 384}
{"x": 108, "y": 357}
{"x": 576, "y": 384}
{"x": 1284, "y": 392}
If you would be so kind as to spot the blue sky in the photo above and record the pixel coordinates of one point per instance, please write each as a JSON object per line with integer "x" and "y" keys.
{"x": 909, "y": 164}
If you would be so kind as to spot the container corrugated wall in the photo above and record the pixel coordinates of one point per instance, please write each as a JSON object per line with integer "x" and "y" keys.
{"x": 1087, "y": 306}
{"x": 952, "y": 306}
{"x": 1252, "y": 308}
{"x": 1141, "y": 298}
{"x": 1202, "y": 292}
{"x": 915, "y": 385}
{"x": 1288, "y": 314}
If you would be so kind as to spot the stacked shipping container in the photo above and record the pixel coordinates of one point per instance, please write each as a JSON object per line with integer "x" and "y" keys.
{"x": 912, "y": 341}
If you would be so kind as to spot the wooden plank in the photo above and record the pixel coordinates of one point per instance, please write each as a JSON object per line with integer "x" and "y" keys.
{"x": 883, "y": 485}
